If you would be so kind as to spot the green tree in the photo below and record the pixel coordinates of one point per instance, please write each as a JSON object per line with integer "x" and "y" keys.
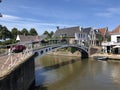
{"x": 4, "y": 33}
{"x": 33, "y": 32}
{"x": 24, "y": 31}
{"x": 19, "y": 32}
{"x": 46, "y": 33}
{"x": 51, "y": 34}
{"x": 14, "y": 32}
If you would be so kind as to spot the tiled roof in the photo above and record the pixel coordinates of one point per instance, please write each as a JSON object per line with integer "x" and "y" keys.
{"x": 103, "y": 31}
{"x": 24, "y": 38}
{"x": 86, "y": 30}
{"x": 29, "y": 38}
{"x": 70, "y": 32}
{"x": 116, "y": 30}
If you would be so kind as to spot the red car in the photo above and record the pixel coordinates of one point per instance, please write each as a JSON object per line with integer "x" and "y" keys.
{"x": 17, "y": 48}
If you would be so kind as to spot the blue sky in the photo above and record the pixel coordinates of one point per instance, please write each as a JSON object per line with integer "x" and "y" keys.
{"x": 47, "y": 14}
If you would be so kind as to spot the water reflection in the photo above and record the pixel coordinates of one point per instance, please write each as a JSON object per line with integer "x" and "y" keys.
{"x": 71, "y": 73}
{"x": 116, "y": 72}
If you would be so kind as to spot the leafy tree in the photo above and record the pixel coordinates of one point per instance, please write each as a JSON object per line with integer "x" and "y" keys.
{"x": 0, "y": 27}
{"x": 72, "y": 49}
{"x": 24, "y": 31}
{"x": 14, "y": 32}
{"x": 33, "y": 32}
{"x": 19, "y": 32}
{"x": 46, "y": 33}
{"x": 4, "y": 33}
{"x": 51, "y": 34}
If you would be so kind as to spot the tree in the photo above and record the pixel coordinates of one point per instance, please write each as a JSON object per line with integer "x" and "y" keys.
{"x": 33, "y": 32}
{"x": 51, "y": 34}
{"x": 46, "y": 33}
{"x": 19, "y": 32}
{"x": 24, "y": 31}
{"x": 14, "y": 32}
{"x": 4, "y": 33}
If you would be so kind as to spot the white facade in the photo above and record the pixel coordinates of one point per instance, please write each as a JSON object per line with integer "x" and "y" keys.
{"x": 81, "y": 38}
{"x": 115, "y": 38}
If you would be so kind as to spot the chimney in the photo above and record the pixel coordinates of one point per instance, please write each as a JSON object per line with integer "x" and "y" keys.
{"x": 57, "y": 27}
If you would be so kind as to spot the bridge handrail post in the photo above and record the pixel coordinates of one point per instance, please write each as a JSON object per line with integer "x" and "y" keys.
{"x": 11, "y": 60}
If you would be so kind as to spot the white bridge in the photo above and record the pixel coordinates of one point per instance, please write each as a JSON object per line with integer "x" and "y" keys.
{"x": 10, "y": 61}
{"x": 44, "y": 50}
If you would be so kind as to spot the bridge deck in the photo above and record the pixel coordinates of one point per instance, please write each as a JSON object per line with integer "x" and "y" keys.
{"x": 10, "y": 62}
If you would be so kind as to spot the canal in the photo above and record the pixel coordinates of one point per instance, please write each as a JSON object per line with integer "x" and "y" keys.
{"x": 72, "y": 73}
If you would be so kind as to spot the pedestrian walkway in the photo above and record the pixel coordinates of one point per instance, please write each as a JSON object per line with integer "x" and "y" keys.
{"x": 11, "y": 61}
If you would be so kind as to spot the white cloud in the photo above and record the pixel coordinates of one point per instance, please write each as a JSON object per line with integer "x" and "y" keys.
{"x": 9, "y": 18}
{"x": 28, "y": 23}
{"x": 109, "y": 12}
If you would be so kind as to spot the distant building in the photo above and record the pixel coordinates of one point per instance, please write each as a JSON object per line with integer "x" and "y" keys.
{"x": 30, "y": 39}
{"x": 79, "y": 35}
{"x": 115, "y": 35}
{"x": 104, "y": 33}
{"x": 84, "y": 37}
{"x": 94, "y": 37}
{"x": 68, "y": 33}
{"x": 114, "y": 45}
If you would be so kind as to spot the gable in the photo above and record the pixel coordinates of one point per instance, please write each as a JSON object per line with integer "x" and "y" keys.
{"x": 116, "y": 30}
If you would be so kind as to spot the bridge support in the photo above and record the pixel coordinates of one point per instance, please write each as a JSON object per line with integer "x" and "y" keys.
{"x": 21, "y": 78}
{"x": 84, "y": 54}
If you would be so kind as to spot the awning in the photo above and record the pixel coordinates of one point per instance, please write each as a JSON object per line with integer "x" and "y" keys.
{"x": 116, "y": 46}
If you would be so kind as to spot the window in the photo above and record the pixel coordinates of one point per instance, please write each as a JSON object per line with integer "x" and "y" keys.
{"x": 118, "y": 39}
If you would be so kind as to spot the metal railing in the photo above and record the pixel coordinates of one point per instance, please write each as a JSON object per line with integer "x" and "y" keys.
{"x": 11, "y": 60}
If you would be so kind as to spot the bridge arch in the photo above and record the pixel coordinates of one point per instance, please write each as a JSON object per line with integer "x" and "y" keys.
{"x": 45, "y": 50}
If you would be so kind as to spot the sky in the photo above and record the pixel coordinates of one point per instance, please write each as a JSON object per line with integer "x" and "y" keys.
{"x": 48, "y": 14}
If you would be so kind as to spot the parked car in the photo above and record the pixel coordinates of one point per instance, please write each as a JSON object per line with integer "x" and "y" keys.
{"x": 17, "y": 48}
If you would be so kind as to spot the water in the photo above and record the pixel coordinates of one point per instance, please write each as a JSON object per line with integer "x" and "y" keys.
{"x": 72, "y": 73}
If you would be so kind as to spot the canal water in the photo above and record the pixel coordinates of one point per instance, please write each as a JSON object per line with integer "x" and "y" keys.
{"x": 72, "y": 73}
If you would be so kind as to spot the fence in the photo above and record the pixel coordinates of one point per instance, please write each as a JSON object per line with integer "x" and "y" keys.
{"x": 11, "y": 60}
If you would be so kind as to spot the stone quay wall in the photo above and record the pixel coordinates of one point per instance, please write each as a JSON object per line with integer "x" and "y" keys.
{"x": 21, "y": 77}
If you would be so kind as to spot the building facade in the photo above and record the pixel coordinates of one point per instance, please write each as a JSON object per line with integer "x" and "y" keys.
{"x": 78, "y": 35}
{"x": 115, "y": 35}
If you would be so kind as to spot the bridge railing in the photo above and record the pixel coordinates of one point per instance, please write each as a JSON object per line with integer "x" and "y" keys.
{"x": 11, "y": 60}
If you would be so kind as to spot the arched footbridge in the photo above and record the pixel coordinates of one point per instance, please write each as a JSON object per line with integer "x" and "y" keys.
{"x": 44, "y": 50}
{"x": 10, "y": 60}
